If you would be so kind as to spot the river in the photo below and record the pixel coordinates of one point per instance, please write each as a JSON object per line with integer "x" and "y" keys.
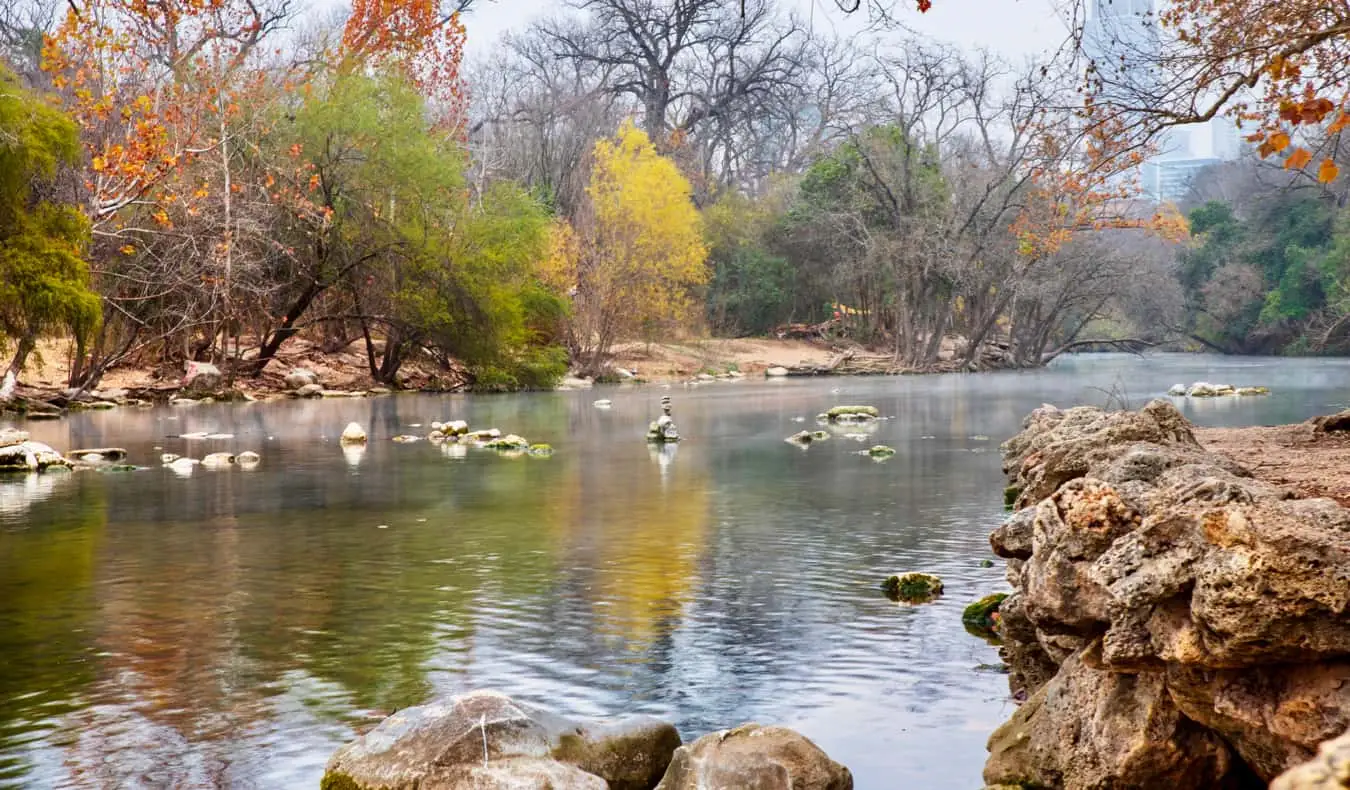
{"x": 232, "y": 628}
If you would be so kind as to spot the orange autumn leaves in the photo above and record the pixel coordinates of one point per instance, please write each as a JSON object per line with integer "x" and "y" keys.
{"x": 156, "y": 85}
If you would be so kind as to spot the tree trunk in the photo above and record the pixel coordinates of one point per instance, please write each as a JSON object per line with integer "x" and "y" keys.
{"x": 26, "y": 345}
{"x": 287, "y": 329}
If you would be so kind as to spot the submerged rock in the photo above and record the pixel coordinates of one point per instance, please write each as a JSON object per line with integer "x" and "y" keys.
{"x": 406, "y": 439}
{"x": 603, "y": 403}
{"x": 912, "y": 587}
{"x": 754, "y": 756}
{"x": 880, "y": 451}
{"x": 487, "y": 740}
{"x": 486, "y": 434}
{"x": 541, "y": 450}
{"x": 353, "y": 434}
{"x": 802, "y": 438}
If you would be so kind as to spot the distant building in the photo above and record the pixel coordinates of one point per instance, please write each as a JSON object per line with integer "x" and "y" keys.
{"x": 1123, "y": 40}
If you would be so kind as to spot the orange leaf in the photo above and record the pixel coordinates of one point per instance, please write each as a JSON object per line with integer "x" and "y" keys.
{"x": 1342, "y": 121}
{"x": 1327, "y": 172}
{"x": 1298, "y": 159}
{"x": 1279, "y": 141}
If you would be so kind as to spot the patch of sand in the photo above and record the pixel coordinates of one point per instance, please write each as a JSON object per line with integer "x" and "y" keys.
{"x": 1293, "y": 456}
{"x": 662, "y": 361}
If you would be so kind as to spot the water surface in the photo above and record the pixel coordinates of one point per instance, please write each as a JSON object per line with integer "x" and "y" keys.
{"x": 232, "y": 628}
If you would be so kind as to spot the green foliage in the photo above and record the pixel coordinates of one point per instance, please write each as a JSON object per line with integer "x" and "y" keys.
{"x": 457, "y": 270}
{"x": 752, "y": 288}
{"x": 1256, "y": 284}
{"x": 44, "y": 280}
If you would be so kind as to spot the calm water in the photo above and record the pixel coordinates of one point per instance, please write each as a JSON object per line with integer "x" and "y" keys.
{"x": 232, "y": 628}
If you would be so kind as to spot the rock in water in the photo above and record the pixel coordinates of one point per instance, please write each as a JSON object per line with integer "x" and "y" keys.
{"x": 353, "y": 434}
{"x": 218, "y": 460}
{"x": 663, "y": 430}
{"x": 1329, "y": 770}
{"x": 508, "y": 442}
{"x": 802, "y": 438}
{"x": 912, "y": 587}
{"x": 487, "y": 740}
{"x": 10, "y": 437}
{"x": 301, "y": 377}
{"x": 29, "y": 456}
{"x": 754, "y": 756}
{"x": 880, "y": 451}
{"x": 309, "y": 391}
{"x": 776, "y": 372}
{"x": 248, "y": 459}
{"x": 1177, "y": 390}
{"x": 981, "y": 618}
{"x": 202, "y": 377}
{"x": 852, "y": 414}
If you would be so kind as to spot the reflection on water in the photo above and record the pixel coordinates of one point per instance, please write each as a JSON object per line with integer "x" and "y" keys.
{"x": 232, "y": 628}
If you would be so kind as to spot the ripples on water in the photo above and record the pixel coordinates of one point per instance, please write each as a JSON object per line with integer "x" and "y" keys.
{"x": 232, "y": 628}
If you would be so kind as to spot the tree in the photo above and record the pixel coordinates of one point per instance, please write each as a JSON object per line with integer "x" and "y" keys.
{"x": 44, "y": 280}
{"x": 636, "y": 252}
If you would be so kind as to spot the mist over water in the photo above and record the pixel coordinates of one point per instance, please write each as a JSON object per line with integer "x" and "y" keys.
{"x": 232, "y": 628}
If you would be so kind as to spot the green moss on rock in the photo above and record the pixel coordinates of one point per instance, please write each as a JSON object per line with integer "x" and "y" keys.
{"x": 852, "y": 414}
{"x": 912, "y": 587}
{"x": 336, "y": 780}
{"x": 1010, "y": 495}
{"x": 981, "y": 617}
{"x": 881, "y": 451}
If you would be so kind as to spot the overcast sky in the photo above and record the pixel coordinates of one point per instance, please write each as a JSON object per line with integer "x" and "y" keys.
{"x": 1012, "y": 28}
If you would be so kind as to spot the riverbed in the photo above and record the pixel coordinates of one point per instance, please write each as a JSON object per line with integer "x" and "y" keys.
{"x": 231, "y": 628}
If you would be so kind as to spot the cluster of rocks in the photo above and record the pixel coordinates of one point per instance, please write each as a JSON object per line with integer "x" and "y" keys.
{"x": 662, "y": 430}
{"x": 1173, "y": 622}
{"x": 488, "y": 741}
{"x": 1203, "y": 389}
{"x": 304, "y": 383}
{"x": 20, "y": 454}
{"x": 457, "y": 433}
{"x": 912, "y": 587}
{"x": 849, "y": 414}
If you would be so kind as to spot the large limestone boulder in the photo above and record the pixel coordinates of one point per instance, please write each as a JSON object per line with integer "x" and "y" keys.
{"x": 487, "y": 740}
{"x": 300, "y": 377}
{"x": 1099, "y": 730}
{"x": 1153, "y": 583}
{"x": 202, "y": 377}
{"x": 1329, "y": 770}
{"x": 10, "y": 437}
{"x": 754, "y": 757}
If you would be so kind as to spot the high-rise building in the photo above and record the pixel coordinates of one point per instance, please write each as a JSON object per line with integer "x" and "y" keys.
{"x": 1123, "y": 40}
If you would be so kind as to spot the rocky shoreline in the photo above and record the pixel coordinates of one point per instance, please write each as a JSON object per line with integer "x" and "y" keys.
{"x": 1174, "y": 622}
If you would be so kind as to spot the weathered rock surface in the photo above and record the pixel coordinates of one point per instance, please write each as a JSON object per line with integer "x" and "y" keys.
{"x": 301, "y": 377}
{"x": 754, "y": 757}
{"x": 1329, "y": 770}
{"x": 1165, "y": 603}
{"x": 1092, "y": 729}
{"x": 309, "y": 391}
{"x": 202, "y": 377}
{"x": 29, "y": 456}
{"x": 488, "y": 740}
{"x": 353, "y": 434}
{"x": 663, "y": 430}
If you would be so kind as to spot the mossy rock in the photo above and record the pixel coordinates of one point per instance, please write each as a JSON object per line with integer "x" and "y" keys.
{"x": 852, "y": 414}
{"x": 881, "y": 451}
{"x": 1010, "y": 495}
{"x": 912, "y": 587}
{"x": 508, "y": 442}
{"x": 802, "y": 438}
{"x": 981, "y": 618}
{"x": 541, "y": 450}
{"x": 819, "y": 436}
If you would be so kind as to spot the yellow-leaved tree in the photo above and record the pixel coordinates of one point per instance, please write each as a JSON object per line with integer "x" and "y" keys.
{"x": 633, "y": 257}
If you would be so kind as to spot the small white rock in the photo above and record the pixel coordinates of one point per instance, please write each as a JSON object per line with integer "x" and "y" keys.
{"x": 353, "y": 434}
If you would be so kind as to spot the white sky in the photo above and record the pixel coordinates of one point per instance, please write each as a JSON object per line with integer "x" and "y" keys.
{"x": 1011, "y": 28}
